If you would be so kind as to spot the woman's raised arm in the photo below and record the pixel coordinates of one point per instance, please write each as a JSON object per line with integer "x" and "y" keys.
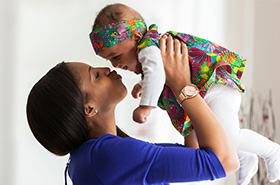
{"x": 209, "y": 130}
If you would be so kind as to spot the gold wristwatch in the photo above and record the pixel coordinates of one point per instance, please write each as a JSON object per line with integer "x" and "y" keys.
{"x": 188, "y": 92}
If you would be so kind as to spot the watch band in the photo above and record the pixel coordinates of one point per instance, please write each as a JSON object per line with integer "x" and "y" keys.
{"x": 188, "y": 92}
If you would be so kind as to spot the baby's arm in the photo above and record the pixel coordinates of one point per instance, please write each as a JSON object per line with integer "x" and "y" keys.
{"x": 154, "y": 75}
{"x": 136, "y": 91}
{"x": 141, "y": 113}
{"x": 152, "y": 84}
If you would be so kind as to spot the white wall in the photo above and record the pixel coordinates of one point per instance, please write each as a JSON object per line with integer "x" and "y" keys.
{"x": 7, "y": 93}
{"x": 266, "y": 54}
{"x": 37, "y": 34}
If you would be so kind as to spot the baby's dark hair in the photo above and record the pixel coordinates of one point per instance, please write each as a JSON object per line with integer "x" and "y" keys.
{"x": 113, "y": 13}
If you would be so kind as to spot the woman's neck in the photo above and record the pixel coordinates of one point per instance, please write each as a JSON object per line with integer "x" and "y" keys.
{"x": 101, "y": 124}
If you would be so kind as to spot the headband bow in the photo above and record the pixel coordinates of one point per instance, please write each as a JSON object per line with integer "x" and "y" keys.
{"x": 114, "y": 33}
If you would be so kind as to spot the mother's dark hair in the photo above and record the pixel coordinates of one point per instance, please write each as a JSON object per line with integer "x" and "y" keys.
{"x": 55, "y": 111}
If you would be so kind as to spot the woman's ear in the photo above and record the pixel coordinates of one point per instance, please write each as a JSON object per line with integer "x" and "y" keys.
{"x": 138, "y": 37}
{"x": 90, "y": 111}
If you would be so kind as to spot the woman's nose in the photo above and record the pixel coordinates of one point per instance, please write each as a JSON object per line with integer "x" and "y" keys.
{"x": 106, "y": 70}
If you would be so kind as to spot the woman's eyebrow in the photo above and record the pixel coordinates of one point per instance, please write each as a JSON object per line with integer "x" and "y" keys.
{"x": 89, "y": 72}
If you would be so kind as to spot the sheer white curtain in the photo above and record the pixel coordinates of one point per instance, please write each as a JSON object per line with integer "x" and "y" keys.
{"x": 36, "y": 35}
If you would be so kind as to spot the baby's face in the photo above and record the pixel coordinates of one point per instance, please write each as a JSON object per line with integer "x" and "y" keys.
{"x": 122, "y": 55}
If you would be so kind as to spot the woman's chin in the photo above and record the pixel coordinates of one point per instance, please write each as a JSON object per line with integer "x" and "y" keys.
{"x": 125, "y": 93}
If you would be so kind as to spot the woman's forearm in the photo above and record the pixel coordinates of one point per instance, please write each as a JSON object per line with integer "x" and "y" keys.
{"x": 210, "y": 132}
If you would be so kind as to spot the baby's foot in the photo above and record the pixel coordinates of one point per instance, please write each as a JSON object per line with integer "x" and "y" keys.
{"x": 273, "y": 166}
{"x": 248, "y": 167}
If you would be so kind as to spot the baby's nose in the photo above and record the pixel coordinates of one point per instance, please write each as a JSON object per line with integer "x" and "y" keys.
{"x": 115, "y": 65}
{"x": 119, "y": 65}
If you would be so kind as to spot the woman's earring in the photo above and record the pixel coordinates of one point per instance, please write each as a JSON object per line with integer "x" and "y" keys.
{"x": 96, "y": 111}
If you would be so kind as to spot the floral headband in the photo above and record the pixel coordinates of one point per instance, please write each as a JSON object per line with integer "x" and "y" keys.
{"x": 114, "y": 33}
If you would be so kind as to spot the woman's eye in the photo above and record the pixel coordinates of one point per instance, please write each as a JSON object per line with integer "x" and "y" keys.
{"x": 96, "y": 75}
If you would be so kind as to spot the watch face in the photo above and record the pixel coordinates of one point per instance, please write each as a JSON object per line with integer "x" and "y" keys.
{"x": 190, "y": 90}
{"x": 187, "y": 92}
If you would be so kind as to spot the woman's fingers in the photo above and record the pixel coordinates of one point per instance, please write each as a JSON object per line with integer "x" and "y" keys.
{"x": 169, "y": 44}
{"x": 175, "y": 59}
{"x": 184, "y": 50}
{"x": 162, "y": 44}
{"x": 177, "y": 47}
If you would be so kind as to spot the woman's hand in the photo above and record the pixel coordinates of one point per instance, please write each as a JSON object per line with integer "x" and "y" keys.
{"x": 176, "y": 63}
{"x": 208, "y": 129}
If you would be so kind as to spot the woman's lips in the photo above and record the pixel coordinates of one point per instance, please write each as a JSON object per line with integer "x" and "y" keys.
{"x": 117, "y": 76}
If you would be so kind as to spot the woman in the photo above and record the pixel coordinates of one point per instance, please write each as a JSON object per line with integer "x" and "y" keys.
{"x": 72, "y": 110}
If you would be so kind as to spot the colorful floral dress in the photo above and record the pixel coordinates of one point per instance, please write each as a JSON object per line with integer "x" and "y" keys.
{"x": 209, "y": 62}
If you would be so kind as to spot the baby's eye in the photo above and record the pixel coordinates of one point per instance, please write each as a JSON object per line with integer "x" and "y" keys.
{"x": 116, "y": 57}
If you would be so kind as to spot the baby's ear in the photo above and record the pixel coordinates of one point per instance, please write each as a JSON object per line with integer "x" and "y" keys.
{"x": 138, "y": 37}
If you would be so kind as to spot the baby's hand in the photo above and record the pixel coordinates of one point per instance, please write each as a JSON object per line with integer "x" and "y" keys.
{"x": 136, "y": 91}
{"x": 141, "y": 113}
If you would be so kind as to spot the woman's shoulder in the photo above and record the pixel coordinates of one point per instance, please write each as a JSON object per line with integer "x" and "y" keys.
{"x": 109, "y": 143}
{"x": 111, "y": 139}
{"x": 104, "y": 139}
{"x": 109, "y": 149}
{"x": 115, "y": 156}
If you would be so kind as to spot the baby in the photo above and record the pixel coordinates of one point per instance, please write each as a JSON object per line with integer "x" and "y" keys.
{"x": 120, "y": 35}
